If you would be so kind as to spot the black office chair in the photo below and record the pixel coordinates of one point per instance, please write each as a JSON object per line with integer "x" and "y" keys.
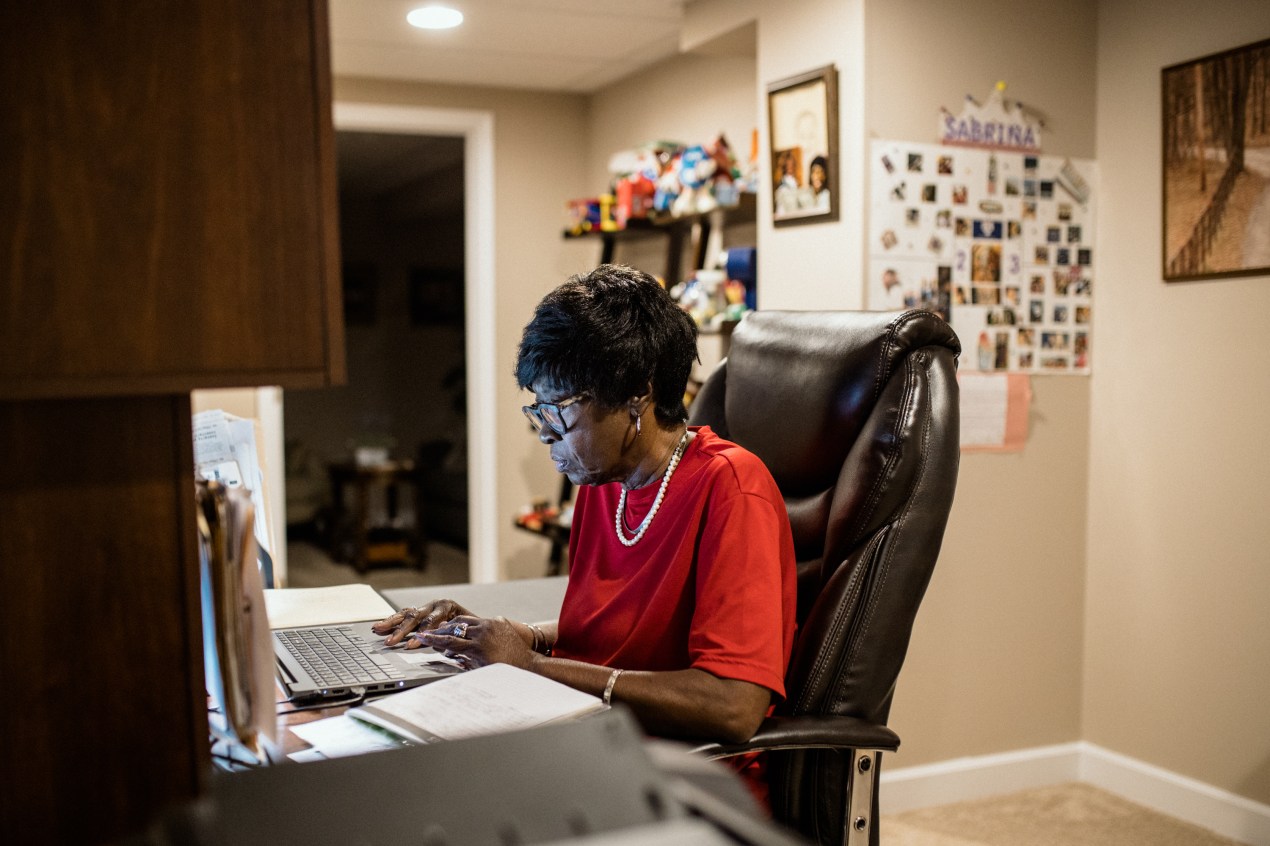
{"x": 856, "y": 416}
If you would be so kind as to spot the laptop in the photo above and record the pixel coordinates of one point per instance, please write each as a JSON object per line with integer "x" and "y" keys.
{"x": 334, "y": 661}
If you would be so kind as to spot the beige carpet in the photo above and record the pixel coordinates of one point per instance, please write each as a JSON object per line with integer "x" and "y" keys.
{"x": 1063, "y": 815}
{"x": 310, "y": 566}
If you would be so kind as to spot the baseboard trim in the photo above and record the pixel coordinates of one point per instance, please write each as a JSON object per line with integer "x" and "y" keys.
{"x": 1183, "y": 798}
{"x": 963, "y": 779}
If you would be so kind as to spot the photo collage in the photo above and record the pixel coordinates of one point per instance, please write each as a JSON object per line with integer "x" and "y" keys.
{"x": 999, "y": 243}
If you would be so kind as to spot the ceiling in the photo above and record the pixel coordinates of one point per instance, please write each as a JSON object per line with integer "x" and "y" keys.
{"x": 555, "y": 45}
{"x": 574, "y": 46}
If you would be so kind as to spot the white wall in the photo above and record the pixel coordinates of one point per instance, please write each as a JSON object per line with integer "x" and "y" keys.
{"x": 816, "y": 266}
{"x": 1177, "y": 645}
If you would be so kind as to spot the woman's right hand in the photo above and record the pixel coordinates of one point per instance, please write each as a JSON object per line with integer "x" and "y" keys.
{"x": 424, "y": 618}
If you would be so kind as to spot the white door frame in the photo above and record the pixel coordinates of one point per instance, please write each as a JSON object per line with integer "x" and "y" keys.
{"x": 477, "y": 131}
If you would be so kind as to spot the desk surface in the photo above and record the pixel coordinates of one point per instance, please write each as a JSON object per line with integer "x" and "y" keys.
{"x": 526, "y": 600}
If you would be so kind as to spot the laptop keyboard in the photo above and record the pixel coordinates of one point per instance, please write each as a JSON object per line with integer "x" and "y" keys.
{"x": 333, "y": 658}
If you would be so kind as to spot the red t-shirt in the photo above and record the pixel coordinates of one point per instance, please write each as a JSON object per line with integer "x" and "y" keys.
{"x": 711, "y": 585}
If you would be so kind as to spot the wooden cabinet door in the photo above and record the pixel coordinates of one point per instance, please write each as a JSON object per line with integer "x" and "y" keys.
{"x": 170, "y": 218}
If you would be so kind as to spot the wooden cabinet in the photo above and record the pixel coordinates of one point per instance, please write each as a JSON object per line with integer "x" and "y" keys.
{"x": 168, "y": 224}
{"x": 170, "y": 217}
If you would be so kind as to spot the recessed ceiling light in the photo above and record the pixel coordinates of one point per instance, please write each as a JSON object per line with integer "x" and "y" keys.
{"x": 435, "y": 17}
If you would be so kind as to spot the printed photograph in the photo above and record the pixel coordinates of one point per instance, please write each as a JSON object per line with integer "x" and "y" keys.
{"x": 1216, "y": 162}
{"x": 985, "y": 263}
{"x": 985, "y": 295}
{"x": 802, "y": 114}
{"x": 988, "y": 229}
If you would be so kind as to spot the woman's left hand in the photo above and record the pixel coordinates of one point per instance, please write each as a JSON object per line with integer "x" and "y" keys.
{"x": 477, "y": 641}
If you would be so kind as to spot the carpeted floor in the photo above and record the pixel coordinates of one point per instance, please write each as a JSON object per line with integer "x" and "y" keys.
{"x": 310, "y": 566}
{"x": 1072, "y": 814}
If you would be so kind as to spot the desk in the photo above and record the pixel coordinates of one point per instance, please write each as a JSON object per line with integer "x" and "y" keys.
{"x": 354, "y": 537}
{"x": 605, "y": 766}
{"x": 525, "y": 600}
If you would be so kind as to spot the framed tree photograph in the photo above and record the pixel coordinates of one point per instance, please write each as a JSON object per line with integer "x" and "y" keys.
{"x": 1216, "y": 156}
{"x": 802, "y": 114}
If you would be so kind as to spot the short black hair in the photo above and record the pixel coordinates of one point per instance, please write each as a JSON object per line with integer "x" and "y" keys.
{"x": 609, "y": 333}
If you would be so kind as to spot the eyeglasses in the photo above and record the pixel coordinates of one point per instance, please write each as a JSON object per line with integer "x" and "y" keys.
{"x": 550, "y": 414}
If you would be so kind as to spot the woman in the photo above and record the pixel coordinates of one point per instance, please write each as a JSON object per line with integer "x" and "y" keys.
{"x": 818, "y": 181}
{"x": 680, "y": 602}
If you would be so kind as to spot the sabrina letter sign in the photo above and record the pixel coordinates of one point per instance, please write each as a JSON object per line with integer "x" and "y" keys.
{"x": 996, "y": 124}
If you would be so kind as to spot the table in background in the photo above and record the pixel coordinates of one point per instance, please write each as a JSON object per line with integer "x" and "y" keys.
{"x": 354, "y": 539}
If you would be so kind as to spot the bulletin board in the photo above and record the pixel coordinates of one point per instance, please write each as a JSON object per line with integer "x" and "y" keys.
{"x": 999, "y": 243}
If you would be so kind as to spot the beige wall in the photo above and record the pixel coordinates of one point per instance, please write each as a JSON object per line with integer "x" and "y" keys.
{"x": 1075, "y": 598}
{"x": 1177, "y": 646}
{"x": 539, "y": 161}
{"x": 686, "y": 98}
{"x": 995, "y": 661}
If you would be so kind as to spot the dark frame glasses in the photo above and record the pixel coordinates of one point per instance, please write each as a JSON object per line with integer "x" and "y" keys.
{"x": 550, "y": 414}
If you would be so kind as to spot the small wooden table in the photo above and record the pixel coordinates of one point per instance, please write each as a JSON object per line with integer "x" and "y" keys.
{"x": 353, "y": 537}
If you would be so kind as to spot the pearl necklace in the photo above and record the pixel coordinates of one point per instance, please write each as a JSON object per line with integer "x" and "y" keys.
{"x": 661, "y": 493}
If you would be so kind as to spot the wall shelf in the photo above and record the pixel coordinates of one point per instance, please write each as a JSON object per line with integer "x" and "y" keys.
{"x": 691, "y": 230}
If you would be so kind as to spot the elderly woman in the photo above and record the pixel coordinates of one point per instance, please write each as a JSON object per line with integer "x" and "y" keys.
{"x": 680, "y": 602}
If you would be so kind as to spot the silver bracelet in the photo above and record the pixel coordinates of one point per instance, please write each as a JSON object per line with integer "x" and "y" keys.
{"x": 608, "y": 688}
{"x": 540, "y": 644}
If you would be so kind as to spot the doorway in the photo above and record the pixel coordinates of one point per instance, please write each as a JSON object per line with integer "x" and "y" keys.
{"x": 416, "y": 236}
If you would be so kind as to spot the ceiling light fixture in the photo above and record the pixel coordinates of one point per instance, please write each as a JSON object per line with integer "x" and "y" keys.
{"x": 435, "y": 17}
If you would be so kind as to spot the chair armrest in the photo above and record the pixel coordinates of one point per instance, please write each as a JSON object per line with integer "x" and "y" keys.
{"x": 808, "y": 732}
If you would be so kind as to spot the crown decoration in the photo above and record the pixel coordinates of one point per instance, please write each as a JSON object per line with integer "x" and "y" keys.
{"x": 995, "y": 124}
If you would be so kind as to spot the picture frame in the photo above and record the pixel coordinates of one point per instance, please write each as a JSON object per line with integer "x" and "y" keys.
{"x": 1215, "y": 116}
{"x": 802, "y": 114}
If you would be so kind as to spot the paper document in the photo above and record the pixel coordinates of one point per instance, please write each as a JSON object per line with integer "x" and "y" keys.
{"x": 325, "y": 606}
{"x": 225, "y": 452}
{"x": 994, "y": 409}
{"x": 339, "y": 737}
{"x": 237, "y": 652}
{"x": 488, "y": 700}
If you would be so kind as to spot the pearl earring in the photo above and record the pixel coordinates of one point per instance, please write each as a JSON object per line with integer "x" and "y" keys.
{"x": 638, "y": 420}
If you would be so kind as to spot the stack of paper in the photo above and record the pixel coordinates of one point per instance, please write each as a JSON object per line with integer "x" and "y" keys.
{"x": 325, "y": 606}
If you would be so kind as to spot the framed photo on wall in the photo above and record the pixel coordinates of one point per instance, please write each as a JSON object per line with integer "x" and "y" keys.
{"x": 802, "y": 115}
{"x": 1216, "y": 156}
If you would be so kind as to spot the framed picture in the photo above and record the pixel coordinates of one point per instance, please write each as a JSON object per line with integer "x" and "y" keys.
{"x": 436, "y": 296}
{"x": 802, "y": 114}
{"x": 1216, "y": 142}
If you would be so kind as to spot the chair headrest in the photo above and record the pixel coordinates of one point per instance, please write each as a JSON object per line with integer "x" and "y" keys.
{"x": 800, "y": 385}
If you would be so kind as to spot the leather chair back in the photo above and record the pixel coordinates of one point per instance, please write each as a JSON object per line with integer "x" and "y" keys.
{"x": 855, "y": 414}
